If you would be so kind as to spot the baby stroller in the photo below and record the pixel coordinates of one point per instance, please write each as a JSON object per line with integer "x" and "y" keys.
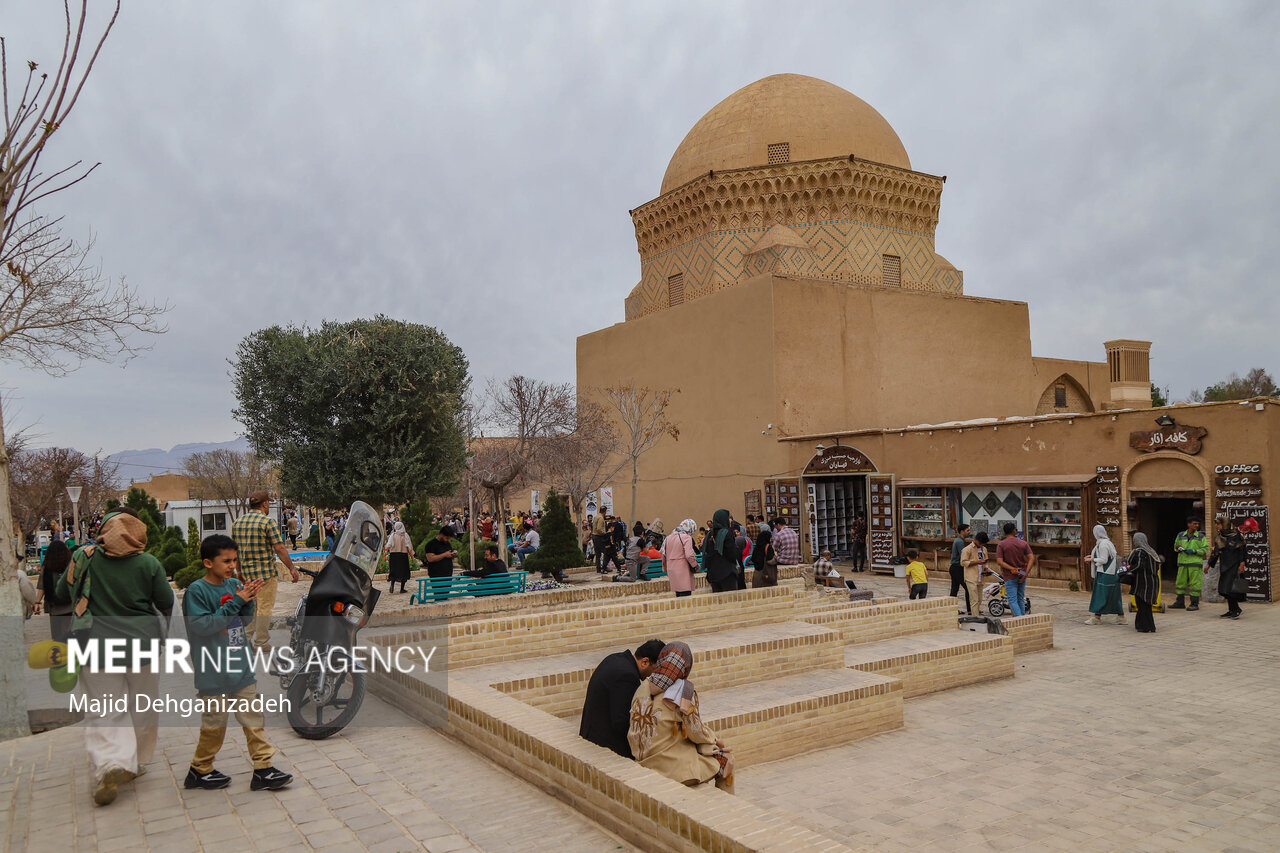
{"x": 997, "y": 600}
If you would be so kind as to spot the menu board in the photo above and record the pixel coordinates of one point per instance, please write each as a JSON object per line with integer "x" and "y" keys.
{"x": 1106, "y": 496}
{"x": 752, "y": 501}
{"x": 1257, "y": 550}
{"x": 880, "y": 522}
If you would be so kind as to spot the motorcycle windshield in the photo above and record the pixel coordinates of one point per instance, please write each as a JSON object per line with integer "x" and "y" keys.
{"x": 361, "y": 540}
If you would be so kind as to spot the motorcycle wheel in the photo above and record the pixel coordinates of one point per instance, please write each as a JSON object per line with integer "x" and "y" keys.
{"x": 1026, "y": 605}
{"x": 315, "y": 721}
{"x": 995, "y": 607}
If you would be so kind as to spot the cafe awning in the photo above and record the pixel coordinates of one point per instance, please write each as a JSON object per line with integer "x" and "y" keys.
{"x": 1000, "y": 480}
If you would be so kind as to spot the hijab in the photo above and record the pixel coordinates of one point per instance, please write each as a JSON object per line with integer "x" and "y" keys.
{"x": 400, "y": 540}
{"x": 1104, "y": 552}
{"x": 675, "y": 662}
{"x": 687, "y": 526}
{"x": 720, "y": 529}
{"x": 123, "y": 535}
{"x": 1140, "y": 544}
{"x": 763, "y": 538}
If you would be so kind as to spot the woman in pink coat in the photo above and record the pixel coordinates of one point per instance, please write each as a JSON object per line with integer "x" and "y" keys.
{"x": 680, "y": 558}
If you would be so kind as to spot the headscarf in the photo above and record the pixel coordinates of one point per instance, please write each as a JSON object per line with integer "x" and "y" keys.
{"x": 720, "y": 529}
{"x": 675, "y": 662}
{"x": 1104, "y": 552}
{"x": 657, "y": 527}
{"x": 400, "y": 541}
{"x": 687, "y": 526}
{"x": 763, "y": 538}
{"x": 1140, "y": 544}
{"x": 123, "y": 535}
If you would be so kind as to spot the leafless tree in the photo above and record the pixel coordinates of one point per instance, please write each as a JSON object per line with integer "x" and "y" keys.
{"x": 39, "y": 479}
{"x": 228, "y": 477}
{"x": 583, "y": 460}
{"x": 56, "y": 309}
{"x": 643, "y": 414}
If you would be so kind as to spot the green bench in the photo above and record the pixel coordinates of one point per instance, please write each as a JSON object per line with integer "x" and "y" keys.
{"x": 461, "y": 586}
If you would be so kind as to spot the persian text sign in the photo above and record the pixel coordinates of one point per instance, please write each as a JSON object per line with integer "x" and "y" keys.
{"x": 838, "y": 460}
{"x": 1257, "y": 550}
{"x": 1106, "y": 496}
{"x": 1184, "y": 438}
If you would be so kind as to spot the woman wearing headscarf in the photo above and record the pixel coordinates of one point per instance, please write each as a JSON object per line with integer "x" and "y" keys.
{"x": 399, "y": 552}
{"x": 763, "y": 572}
{"x": 718, "y": 554}
{"x": 1144, "y": 562}
{"x": 126, "y": 592}
{"x": 680, "y": 557}
{"x": 1228, "y": 556}
{"x": 56, "y": 559}
{"x": 667, "y": 733}
{"x": 1104, "y": 564}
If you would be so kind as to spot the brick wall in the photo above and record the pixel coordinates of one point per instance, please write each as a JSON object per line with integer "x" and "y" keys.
{"x": 1030, "y": 633}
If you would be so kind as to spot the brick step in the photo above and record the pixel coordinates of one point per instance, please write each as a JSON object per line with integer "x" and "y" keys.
{"x": 723, "y": 659}
{"x": 927, "y": 663}
{"x": 781, "y": 717}
{"x": 882, "y": 621}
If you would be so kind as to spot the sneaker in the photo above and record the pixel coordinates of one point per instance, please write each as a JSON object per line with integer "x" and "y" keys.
{"x": 1093, "y": 620}
{"x": 211, "y": 781}
{"x": 105, "y": 793}
{"x": 1235, "y": 615}
{"x": 1227, "y": 615}
{"x": 269, "y": 779}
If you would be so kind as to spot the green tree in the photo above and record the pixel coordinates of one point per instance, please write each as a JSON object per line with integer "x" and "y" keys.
{"x": 193, "y": 542}
{"x": 369, "y": 409}
{"x": 1159, "y": 396}
{"x": 559, "y": 546}
{"x": 1256, "y": 383}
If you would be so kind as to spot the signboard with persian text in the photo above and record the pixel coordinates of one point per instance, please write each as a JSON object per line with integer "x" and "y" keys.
{"x": 1257, "y": 550}
{"x": 1106, "y": 496}
{"x": 1187, "y": 439}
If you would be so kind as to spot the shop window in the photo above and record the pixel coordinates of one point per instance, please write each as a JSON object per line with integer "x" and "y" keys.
{"x": 779, "y": 152}
{"x": 1060, "y": 396}
{"x": 892, "y": 270}
{"x": 675, "y": 289}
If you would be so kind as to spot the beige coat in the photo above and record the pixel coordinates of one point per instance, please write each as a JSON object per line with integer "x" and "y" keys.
{"x": 670, "y": 740}
{"x": 969, "y": 559}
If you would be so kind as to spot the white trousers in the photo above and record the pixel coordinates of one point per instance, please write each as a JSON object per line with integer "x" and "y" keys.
{"x": 122, "y": 738}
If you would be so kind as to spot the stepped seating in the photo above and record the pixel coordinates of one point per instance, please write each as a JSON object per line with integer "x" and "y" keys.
{"x": 926, "y": 663}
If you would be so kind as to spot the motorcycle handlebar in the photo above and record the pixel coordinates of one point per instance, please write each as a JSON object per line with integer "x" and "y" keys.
{"x": 306, "y": 572}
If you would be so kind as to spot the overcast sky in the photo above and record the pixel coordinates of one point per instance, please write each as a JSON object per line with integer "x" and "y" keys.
{"x": 470, "y": 166}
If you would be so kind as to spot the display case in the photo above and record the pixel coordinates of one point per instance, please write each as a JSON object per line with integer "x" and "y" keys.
{"x": 922, "y": 513}
{"x": 1053, "y": 516}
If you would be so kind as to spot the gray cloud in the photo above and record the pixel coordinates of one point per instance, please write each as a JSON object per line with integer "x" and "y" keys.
{"x": 471, "y": 166}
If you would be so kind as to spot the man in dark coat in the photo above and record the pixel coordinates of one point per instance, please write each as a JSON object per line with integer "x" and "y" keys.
{"x": 606, "y": 713}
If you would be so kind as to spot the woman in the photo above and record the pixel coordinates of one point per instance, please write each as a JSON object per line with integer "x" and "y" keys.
{"x": 1228, "y": 556}
{"x": 56, "y": 559}
{"x": 1104, "y": 565}
{"x": 399, "y": 551}
{"x": 667, "y": 733}
{"x": 128, "y": 595}
{"x": 764, "y": 572}
{"x": 1144, "y": 562}
{"x": 718, "y": 554}
{"x": 681, "y": 558}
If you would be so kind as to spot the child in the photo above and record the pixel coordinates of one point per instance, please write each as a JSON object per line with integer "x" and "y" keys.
{"x": 917, "y": 580}
{"x": 216, "y": 609}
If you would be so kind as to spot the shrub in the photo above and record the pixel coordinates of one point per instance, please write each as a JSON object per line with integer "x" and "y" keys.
{"x": 193, "y": 542}
{"x": 174, "y": 563}
{"x": 559, "y": 546}
{"x": 187, "y": 575}
{"x": 313, "y": 537}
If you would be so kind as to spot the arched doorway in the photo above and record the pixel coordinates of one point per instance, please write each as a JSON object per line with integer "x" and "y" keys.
{"x": 1164, "y": 491}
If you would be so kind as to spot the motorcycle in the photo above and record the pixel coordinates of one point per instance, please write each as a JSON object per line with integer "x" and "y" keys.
{"x": 324, "y": 685}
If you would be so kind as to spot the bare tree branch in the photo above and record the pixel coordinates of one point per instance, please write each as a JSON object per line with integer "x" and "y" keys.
{"x": 228, "y": 477}
{"x": 643, "y": 413}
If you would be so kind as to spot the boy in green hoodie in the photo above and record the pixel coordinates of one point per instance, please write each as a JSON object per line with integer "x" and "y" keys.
{"x": 216, "y": 610}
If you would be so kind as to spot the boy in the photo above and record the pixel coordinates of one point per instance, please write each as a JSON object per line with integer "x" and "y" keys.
{"x": 216, "y": 609}
{"x": 917, "y": 580}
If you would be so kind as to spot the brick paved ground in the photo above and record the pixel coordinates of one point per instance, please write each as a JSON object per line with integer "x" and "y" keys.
{"x": 1113, "y": 740}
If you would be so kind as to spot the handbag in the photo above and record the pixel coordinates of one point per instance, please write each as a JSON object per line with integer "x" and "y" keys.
{"x": 1239, "y": 586}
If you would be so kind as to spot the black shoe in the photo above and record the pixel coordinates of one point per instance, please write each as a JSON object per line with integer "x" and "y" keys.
{"x": 1230, "y": 614}
{"x": 269, "y": 779}
{"x": 211, "y": 781}
{"x": 1178, "y": 605}
{"x": 1235, "y": 614}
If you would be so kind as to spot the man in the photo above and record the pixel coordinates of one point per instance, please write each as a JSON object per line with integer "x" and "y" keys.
{"x": 786, "y": 543}
{"x": 260, "y": 542}
{"x": 606, "y": 712}
{"x": 753, "y": 527}
{"x": 1193, "y": 549}
{"x": 600, "y": 541}
{"x": 531, "y": 542}
{"x": 858, "y": 538}
{"x": 957, "y": 566}
{"x": 438, "y": 555}
{"x": 292, "y": 527}
{"x": 618, "y": 542}
{"x": 1015, "y": 559}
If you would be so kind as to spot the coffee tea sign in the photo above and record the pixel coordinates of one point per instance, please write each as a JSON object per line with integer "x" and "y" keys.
{"x": 1106, "y": 496}
{"x": 840, "y": 459}
{"x": 1184, "y": 438}
{"x": 1237, "y": 485}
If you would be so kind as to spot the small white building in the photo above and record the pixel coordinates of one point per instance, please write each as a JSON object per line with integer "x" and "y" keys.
{"x": 210, "y": 516}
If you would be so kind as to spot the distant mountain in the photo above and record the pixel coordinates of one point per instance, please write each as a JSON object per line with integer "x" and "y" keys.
{"x": 142, "y": 464}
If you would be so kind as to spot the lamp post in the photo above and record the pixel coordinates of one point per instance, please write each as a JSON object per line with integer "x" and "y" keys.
{"x": 73, "y": 492}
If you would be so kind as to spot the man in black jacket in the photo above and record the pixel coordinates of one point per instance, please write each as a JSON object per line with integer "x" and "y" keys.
{"x": 606, "y": 713}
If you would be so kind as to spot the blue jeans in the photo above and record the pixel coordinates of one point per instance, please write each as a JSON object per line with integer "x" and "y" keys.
{"x": 1016, "y": 590}
{"x": 524, "y": 552}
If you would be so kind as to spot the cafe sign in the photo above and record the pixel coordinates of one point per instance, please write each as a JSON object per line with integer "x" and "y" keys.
{"x": 840, "y": 459}
{"x": 1106, "y": 496}
{"x": 1184, "y": 438}
{"x": 1237, "y": 485}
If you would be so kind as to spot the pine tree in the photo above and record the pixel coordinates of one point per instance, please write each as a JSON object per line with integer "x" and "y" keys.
{"x": 193, "y": 542}
{"x": 559, "y": 547}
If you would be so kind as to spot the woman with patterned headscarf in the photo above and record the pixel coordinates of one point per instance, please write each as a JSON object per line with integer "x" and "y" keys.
{"x": 1104, "y": 564}
{"x": 667, "y": 733}
{"x": 718, "y": 557}
{"x": 680, "y": 557}
{"x": 1144, "y": 562}
{"x": 399, "y": 552}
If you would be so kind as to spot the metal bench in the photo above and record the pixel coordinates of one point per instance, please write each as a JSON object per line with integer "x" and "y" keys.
{"x": 461, "y": 586}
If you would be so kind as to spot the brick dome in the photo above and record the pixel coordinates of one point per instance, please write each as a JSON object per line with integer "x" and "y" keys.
{"x": 784, "y": 118}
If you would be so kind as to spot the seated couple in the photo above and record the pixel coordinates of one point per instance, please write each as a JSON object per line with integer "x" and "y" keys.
{"x": 643, "y": 706}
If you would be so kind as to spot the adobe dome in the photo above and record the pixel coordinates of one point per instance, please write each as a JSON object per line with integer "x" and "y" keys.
{"x": 816, "y": 118}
